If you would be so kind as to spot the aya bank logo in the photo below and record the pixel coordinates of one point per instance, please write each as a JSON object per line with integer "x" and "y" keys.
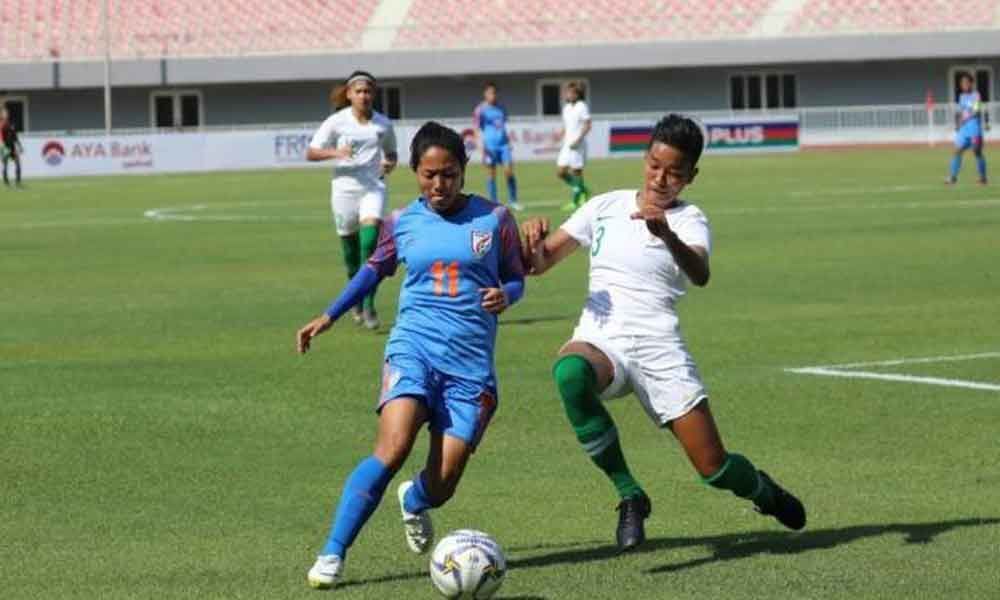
{"x": 53, "y": 153}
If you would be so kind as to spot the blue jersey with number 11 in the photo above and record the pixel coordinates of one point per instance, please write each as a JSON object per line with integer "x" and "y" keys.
{"x": 448, "y": 260}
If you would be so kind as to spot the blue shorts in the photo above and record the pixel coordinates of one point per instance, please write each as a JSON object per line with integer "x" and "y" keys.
{"x": 497, "y": 155}
{"x": 459, "y": 407}
{"x": 965, "y": 139}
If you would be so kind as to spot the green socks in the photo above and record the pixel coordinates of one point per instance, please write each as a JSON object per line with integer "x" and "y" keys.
{"x": 368, "y": 240}
{"x": 591, "y": 422}
{"x": 352, "y": 253}
{"x": 739, "y": 476}
{"x": 581, "y": 193}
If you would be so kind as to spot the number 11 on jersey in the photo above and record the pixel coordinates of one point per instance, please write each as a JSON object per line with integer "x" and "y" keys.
{"x": 439, "y": 273}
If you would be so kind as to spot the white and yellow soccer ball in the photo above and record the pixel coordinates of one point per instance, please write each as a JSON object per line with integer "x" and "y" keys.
{"x": 468, "y": 564}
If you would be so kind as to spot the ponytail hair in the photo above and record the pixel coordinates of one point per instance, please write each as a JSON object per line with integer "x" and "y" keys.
{"x": 338, "y": 97}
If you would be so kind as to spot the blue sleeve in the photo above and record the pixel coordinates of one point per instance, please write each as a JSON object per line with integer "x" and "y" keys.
{"x": 511, "y": 266}
{"x": 360, "y": 285}
{"x": 514, "y": 289}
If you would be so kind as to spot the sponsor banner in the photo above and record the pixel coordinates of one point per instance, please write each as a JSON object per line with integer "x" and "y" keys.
{"x": 723, "y": 135}
{"x": 261, "y": 149}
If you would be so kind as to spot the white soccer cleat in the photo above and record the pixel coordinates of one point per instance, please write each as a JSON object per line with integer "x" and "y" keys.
{"x": 325, "y": 572}
{"x": 418, "y": 528}
{"x": 369, "y": 318}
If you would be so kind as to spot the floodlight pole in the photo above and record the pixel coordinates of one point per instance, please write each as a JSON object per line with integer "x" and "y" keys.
{"x": 107, "y": 66}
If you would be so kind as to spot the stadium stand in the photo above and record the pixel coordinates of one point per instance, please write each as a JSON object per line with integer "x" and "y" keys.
{"x": 864, "y": 16}
{"x": 40, "y": 30}
{"x": 559, "y": 22}
{"x": 73, "y": 29}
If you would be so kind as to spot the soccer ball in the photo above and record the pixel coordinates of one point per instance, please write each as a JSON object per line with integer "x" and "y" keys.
{"x": 468, "y": 564}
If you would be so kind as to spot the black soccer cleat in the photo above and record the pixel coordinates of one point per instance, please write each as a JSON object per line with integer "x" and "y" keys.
{"x": 631, "y": 514}
{"x": 788, "y": 510}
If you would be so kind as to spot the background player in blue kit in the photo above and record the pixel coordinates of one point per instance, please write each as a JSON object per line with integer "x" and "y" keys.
{"x": 463, "y": 268}
{"x": 969, "y": 125}
{"x": 490, "y": 123}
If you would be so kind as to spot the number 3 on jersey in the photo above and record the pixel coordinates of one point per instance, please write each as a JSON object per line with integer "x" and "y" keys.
{"x": 598, "y": 238}
{"x": 439, "y": 273}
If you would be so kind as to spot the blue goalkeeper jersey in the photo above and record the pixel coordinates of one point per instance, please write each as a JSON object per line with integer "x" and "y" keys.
{"x": 970, "y": 110}
{"x": 448, "y": 260}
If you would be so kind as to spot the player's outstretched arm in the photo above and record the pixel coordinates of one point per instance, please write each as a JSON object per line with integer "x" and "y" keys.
{"x": 360, "y": 286}
{"x": 541, "y": 250}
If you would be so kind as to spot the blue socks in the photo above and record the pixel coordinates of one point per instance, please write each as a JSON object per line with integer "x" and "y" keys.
{"x": 491, "y": 187}
{"x": 416, "y": 500}
{"x": 956, "y": 166}
{"x": 512, "y": 190}
{"x": 362, "y": 492}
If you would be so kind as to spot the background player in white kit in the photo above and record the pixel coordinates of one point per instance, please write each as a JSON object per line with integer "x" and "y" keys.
{"x": 362, "y": 144}
{"x": 644, "y": 246}
{"x": 573, "y": 154}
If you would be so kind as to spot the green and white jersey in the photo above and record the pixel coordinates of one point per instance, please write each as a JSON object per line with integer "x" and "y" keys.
{"x": 634, "y": 280}
{"x": 369, "y": 141}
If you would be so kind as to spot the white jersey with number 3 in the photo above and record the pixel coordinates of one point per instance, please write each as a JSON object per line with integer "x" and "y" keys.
{"x": 634, "y": 280}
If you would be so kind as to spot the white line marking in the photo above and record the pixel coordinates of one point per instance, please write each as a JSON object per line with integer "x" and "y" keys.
{"x": 910, "y": 361}
{"x": 847, "y": 370}
{"x": 973, "y": 385}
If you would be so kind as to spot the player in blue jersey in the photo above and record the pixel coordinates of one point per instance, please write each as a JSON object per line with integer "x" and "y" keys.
{"x": 969, "y": 129}
{"x": 463, "y": 268}
{"x": 490, "y": 125}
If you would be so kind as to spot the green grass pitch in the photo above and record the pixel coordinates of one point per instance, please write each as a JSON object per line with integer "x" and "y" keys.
{"x": 159, "y": 438}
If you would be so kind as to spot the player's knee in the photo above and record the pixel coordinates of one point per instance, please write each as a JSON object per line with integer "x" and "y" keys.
{"x": 441, "y": 487}
{"x": 393, "y": 450}
{"x": 573, "y": 375}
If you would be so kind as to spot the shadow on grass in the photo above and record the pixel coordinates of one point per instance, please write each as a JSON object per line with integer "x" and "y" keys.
{"x": 727, "y": 547}
{"x": 742, "y": 545}
{"x": 539, "y": 319}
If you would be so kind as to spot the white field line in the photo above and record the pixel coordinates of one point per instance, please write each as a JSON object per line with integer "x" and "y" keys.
{"x": 184, "y": 213}
{"x": 910, "y": 361}
{"x": 972, "y": 385}
{"x": 848, "y": 370}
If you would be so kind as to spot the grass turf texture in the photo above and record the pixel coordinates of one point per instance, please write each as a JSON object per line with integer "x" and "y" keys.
{"x": 159, "y": 437}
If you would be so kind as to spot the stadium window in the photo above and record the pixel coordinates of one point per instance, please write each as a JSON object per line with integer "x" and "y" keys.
{"x": 181, "y": 109}
{"x": 773, "y": 97}
{"x": 17, "y": 109}
{"x": 788, "y": 96}
{"x": 756, "y": 91}
{"x": 389, "y": 100}
{"x": 550, "y": 95}
{"x": 737, "y": 100}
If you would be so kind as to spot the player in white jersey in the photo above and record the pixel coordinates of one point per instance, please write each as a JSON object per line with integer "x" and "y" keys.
{"x": 573, "y": 154}
{"x": 362, "y": 145}
{"x": 645, "y": 246}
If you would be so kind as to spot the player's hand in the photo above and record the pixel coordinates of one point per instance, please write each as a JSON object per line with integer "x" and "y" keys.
{"x": 387, "y": 167}
{"x": 656, "y": 220}
{"x": 312, "y": 329}
{"x": 534, "y": 232}
{"x": 494, "y": 300}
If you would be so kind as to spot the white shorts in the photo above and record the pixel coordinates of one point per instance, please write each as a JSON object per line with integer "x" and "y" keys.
{"x": 574, "y": 158}
{"x": 660, "y": 372}
{"x": 354, "y": 201}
